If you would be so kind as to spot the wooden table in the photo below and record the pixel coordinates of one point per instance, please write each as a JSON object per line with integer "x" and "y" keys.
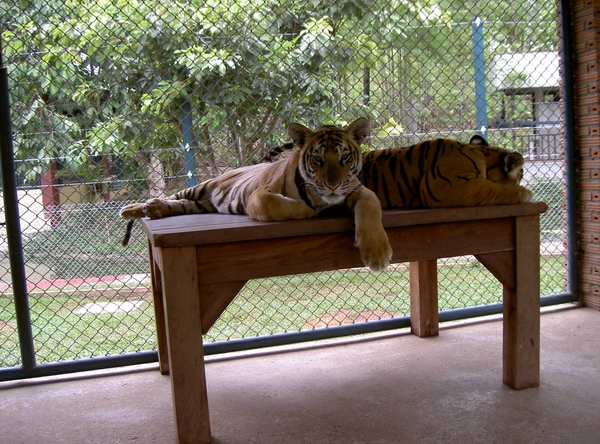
{"x": 200, "y": 262}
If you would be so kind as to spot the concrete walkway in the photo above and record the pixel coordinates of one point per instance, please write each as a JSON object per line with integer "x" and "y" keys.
{"x": 384, "y": 388}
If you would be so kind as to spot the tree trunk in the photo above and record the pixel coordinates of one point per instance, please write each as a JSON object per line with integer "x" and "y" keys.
{"x": 156, "y": 175}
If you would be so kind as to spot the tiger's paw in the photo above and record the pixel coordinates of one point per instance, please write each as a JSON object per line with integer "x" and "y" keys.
{"x": 375, "y": 249}
{"x": 517, "y": 194}
{"x": 132, "y": 211}
{"x": 524, "y": 194}
{"x": 156, "y": 208}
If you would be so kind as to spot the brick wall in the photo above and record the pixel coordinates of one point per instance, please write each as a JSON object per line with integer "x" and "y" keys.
{"x": 585, "y": 15}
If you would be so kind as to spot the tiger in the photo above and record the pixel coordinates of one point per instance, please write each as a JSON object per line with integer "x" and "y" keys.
{"x": 445, "y": 173}
{"x": 440, "y": 173}
{"x": 321, "y": 173}
{"x": 273, "y": 153}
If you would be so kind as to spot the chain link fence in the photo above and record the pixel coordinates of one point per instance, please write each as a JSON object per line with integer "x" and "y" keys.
{"x": 115, "y": 102}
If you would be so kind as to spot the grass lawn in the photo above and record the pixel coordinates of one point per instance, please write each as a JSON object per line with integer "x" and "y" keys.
{"x": 265, "y": 306}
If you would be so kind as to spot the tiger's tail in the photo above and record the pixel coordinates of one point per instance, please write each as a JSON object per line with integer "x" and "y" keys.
{"x": 271, "y": 155}
{"x": 127, "y": 236}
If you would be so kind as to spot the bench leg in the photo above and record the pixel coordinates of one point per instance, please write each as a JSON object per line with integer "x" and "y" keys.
{"x": 159, "y": 314}
{"x": 521, "y": 317}
{"x": 184, "y": 336}
{"x": 424, "y": 320}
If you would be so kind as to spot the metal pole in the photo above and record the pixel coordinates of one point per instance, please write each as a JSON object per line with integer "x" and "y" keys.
{"x": 13, "y": 225}
{"x": 188, "y": 141}
{"x": 479, "y": 65}
{"x": 564, "y": 15}
{"x": 79, "y": 365}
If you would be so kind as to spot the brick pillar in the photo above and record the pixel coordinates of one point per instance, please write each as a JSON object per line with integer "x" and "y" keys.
{"x": 586, "y": 42}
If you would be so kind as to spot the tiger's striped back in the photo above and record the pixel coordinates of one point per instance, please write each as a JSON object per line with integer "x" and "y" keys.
{"x": 227, "y": 193}
{"x": 444, "y": 173}
{"x": 273, "y": 153}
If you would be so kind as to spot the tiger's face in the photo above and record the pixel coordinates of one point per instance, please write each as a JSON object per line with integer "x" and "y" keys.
{"x": 502, "y": 166}
{"x": 331, "y": 158}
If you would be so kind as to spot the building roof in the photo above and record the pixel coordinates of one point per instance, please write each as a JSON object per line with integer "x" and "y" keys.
{"x": 524, "y": 73}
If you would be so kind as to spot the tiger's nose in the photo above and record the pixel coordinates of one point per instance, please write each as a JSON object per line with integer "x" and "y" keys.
{"x": 332, "y": 186}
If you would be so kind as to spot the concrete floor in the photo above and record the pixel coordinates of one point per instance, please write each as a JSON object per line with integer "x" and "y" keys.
{"x": 384, "y": 388}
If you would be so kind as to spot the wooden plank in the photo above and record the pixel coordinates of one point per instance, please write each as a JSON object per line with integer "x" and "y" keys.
{"x": 186, "y": 356}
{"x": 424, "y": 320}
{"x": 440, "y": 240}
{"x": 156, "y": 255}
{"x": 237, "y": 261}
{"x": 214, "y": 300}
{"x": 159, "y": 314}
{"x": 521, "y": 345}
{"x": 501, "y": 265}
{"x": 199, "y": 229}
{"x": 457, "y": 214}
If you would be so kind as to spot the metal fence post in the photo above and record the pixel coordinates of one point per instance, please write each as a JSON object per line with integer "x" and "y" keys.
{"x": 479, "y": 65}
{"x": 188, "y": 141}
{"x": 13, "y": 225}
{"x": 570, "y": 149}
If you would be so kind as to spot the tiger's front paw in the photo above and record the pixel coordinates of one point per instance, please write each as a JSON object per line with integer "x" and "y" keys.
{"x": 156, "y": 208}
{"x": 375, "y": 249}
{"x": 527, "y": 194}
{"x": 132, "y": 211}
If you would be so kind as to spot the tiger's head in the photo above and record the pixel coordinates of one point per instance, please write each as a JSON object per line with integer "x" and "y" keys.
{"x": 502, "y": 166}
{"x": 330, "y": 158}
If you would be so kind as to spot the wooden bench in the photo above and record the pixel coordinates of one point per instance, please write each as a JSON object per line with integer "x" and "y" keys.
{"x": 200, "y": 262}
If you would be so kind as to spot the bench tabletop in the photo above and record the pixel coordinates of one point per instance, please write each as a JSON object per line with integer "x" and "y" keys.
{"x": 211, "y": 228}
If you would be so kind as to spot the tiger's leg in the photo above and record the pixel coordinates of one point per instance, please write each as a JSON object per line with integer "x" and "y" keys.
{"x": 132, "y": 211}
{"x": 265, "y": 205}
{"x": 477, "y": 191}
{"x": 158, "y": 208}
{"x": 370, "y": 236}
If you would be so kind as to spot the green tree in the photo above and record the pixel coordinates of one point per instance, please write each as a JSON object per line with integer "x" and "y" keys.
{"x": 109, "y": 78}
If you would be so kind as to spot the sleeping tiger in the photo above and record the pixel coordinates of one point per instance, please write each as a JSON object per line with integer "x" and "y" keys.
{"x": 321, "y": 173}
{"x": 440, "y": 173}
{"x": 445, "y": 173}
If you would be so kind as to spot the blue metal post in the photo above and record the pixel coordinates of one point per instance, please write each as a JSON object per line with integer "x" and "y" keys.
{"x": 479, "y": 64}
{"x": 188, "y": 140}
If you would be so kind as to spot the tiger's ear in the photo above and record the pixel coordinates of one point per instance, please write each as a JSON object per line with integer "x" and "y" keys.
{"x": 512, "y": 162}
{"x": 299, "y": 134}
{"x": 478, "y": 140}
{"x": 359, "y": 129}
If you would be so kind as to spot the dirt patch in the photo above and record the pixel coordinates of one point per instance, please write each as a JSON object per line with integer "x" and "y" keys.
{"x": 7, "y": 328}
